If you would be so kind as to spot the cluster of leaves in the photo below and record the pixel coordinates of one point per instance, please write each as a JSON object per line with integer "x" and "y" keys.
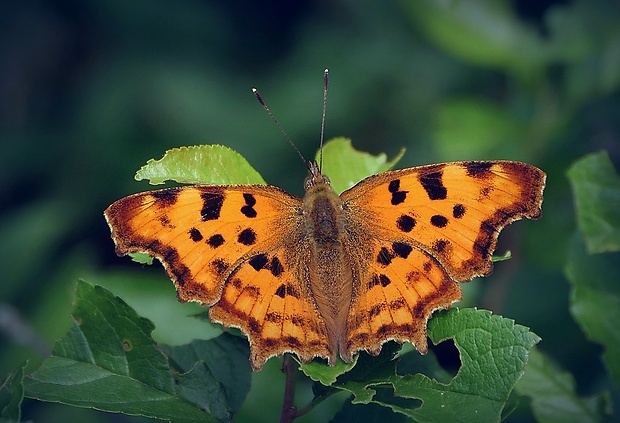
{"x": 108, "y": 360}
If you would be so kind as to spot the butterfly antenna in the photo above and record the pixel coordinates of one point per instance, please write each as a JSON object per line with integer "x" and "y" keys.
{"x": 262, "y": 102}
{"x": 325, "y": 85}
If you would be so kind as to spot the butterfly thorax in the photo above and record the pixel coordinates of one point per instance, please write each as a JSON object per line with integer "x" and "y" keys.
{"x": 322, "y": 210}
{"x": 330, "y": 267}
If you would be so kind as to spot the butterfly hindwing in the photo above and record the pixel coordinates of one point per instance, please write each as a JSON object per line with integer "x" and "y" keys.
{"x": 265, "y": 299}
{"x": 396, "y": 297}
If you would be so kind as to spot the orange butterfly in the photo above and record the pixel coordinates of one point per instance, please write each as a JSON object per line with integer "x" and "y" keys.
{"x": 329, "y": 275}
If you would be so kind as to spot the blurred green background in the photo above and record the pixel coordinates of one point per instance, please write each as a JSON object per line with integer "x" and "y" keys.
{"x": 90, "y": 90}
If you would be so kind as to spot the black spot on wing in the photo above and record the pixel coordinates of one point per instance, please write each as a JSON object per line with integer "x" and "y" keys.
{"x": 249, "y": 200}
{"x": 458, "y": 211}
{"x": 195, "y": 235}
{"x": 439, "y": 221}
{"x": 384, "y": 257}
{"x": 247, "y": 237}
{"x": 219, "y": 266}
{"x": 258, "y": 261}
{"x": 215, "y": 240}
{"x": 478, "y": 169}
{"x": 252, "y": 291}
{"x": 291, "y": 341}
{"x": 413, "y": 276}
{"x": 405, "y": 223}
{"x": 376, "y": 310}
{"x": 397, "y": 304}
{"x": 166, "y": 197}
{"x": 433, "y": 185}
{"x": 271, "y": 342}
{"x": 419, "y": 310}
{"x": 211, "y": 205}
{"x": 276, "y": 267}
{"x": 165, "y": 222}
{"x": 401, "y": 249}
{"x": 284, "y": 290}
{"x": 397, "y": 195}
{"x": 394, "y": 185}
{"x": 237, "y": 283}
{"x": 384, "y": 280}
{"x": 248, "y": 209}
{"x": 486, "y": 238}
{"x": 379, "y": 280}
{"x": 440, "y": 245}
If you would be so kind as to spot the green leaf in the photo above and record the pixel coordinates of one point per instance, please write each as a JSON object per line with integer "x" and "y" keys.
{"x": 552, "y": 394}
{"x": 367, "y": 413}
{"x": 200, "y": 164}
{"x": 346, "y": 166}
{"x": 11, "y": 396}
{"x": 493, "y": 352}
{"x": 327, "y": 375}
{"x": 596, "y": 188}
{"x": 504, "y": 41}
{"x": 226, "y": 356}
{"x": 504, "y": 257}
{"x": 109, "y": 362}
{"x": 141, "y": 258}
{"x": 595, "y": 299}
{"x": 467, "y": 128}
{"x": 369, "y": 374}
{"x": 200, "y": 387}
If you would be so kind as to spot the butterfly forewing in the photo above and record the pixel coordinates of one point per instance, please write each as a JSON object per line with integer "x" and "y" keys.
{"x": 201, "y": 233}
{"x": 453, "y": 211}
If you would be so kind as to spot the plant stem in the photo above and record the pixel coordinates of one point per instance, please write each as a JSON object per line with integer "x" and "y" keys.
{"x": 289, "y": 411}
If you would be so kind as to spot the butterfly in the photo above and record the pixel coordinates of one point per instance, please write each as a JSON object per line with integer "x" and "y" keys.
{"x": 329, "y": 275}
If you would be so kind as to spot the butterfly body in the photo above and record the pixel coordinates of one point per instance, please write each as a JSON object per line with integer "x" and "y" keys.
{"x": 333, "y": 270}
{"x": 329, "y": 275}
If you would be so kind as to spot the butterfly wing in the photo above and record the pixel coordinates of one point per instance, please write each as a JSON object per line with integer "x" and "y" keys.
{"x": 452, "y": 211}
{"x": 396, "y": 298}
{"x": 430, "y": 226}
{"x": 235, "y": 248}
{"x": 265, "y": 299}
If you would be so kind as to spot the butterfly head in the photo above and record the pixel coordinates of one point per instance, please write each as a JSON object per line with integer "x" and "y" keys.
{"x": 315, "y": 177}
